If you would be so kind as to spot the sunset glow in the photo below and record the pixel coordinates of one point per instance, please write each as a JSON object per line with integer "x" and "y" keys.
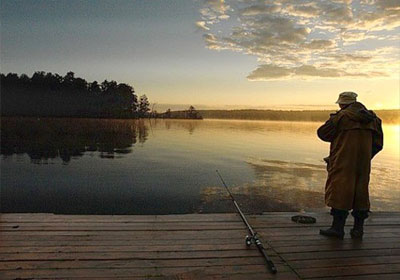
{"x": 215, "y": 54}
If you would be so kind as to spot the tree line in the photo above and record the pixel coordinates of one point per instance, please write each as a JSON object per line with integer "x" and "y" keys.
{"x": 52, "y": 95}
{"x": 190, "y": 113}
{"x": 48, "y": 94}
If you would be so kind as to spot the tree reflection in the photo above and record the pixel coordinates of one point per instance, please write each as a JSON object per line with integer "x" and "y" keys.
{"x": 44, "y": 139}
{"x": 143, "y": 131}
{"x": 189, "y": 125}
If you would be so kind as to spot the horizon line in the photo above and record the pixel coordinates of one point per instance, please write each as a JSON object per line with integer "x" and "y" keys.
{"x": 282, "y": 107}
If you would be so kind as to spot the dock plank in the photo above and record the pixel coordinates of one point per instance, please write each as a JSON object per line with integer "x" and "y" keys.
{"x": 10, "y": 265}
{"x": 192, "y": 246}
{"x": 138, "y": 272}
{"x": 355, "y": 270}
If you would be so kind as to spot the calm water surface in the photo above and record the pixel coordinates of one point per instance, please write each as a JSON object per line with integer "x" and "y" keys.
{"x": 168, "y": 166}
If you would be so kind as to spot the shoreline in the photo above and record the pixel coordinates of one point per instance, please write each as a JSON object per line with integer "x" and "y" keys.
{"x": 387, "y": 116}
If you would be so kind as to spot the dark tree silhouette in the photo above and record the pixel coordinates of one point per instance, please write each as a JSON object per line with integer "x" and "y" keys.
{"x": 167, "y": 113}
{"x": 94, "y": 88}
{"x": 192, "y": 113}
{"x": 47, "y": 94}
{"x": 144, "y": 106}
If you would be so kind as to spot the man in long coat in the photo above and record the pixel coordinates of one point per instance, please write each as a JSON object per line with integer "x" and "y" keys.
{"x": 356, "y": 136}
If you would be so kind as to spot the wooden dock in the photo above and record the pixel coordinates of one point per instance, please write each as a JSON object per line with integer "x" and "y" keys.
{"x": 195, "y": 246}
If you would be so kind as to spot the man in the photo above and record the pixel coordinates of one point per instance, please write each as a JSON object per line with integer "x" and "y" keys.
{"x": 356, "y": 136}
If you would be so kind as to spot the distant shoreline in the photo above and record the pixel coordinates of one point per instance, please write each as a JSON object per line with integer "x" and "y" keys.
{"x": 387, "y": 116}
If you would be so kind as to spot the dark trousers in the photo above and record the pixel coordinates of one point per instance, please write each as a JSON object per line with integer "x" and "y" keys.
{"x": 359, "y": 214}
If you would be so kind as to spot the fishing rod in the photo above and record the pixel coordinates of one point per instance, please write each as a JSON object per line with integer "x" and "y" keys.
{"x": 252, "y": 238}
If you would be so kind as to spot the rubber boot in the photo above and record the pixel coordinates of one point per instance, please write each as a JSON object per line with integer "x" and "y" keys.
{"x": 337, "y": 228}
{"x": 357, "y": 231}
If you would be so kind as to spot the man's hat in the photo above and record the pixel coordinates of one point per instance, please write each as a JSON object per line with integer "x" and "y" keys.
{"x": 347, "y": 97}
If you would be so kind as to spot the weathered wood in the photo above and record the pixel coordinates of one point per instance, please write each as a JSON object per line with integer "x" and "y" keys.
{"x": 339, "y": 254}
{"x": 127, "y": 255}
{"x": 275, "y": 233}
{"x": 112, "y": 218}
{"x": 142, "y": 272}
{"x": 48, "y": 242}
{"x": 316, "y": 236}
{"x": 12, "y": 265}
{"x": 203, "y": 236}
{"x": 193, "y": 246}
{"x": 335, "y": 242}
{"x": 127, "y": 242}
{"x": 233, "y": 276}
{"x": 341, "y": 262}
{"x": 143, "y": 234}
{"x": 200, "y": 274}
{"x": 312, "y": 231}
{"x": 172, "y": 225}
{"x": 124, "y": 248}
{"x": 120, "y": 227}
{"x": 380, "y": 276}
{"x": 336, "y": 246}
{"x": 349, "y": 270}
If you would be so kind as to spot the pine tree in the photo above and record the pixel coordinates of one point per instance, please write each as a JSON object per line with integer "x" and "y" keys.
{"x": 144, "y": 106}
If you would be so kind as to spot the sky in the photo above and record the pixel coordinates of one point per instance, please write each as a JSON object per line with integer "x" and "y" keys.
{"x": 214, "y": 54}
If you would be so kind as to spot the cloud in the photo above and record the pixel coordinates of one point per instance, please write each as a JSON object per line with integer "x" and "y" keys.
{"x": 333, "y": 12}
{"x": 319, "y": 44}
{"x": 202, "y": 25}
{"x": 356, "y": 35}
{"x": 388, "y": 4}
{"x": 319, "y": 39}
{"x": 272, "y": 72}
{"x": 212, "y": 42}
{"x": 309, "y": 70}
{"x": 269, "y": 71}
{"x": 218, "y": 6}
{"x": 350, "y": 57}
{"x": 214, "y": 11}
{"x": 303, "y": 11}
{"x": 259, "y": 9}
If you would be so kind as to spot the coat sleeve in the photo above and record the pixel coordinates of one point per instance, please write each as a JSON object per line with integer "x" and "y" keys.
{"x": 328, "y": 131}
{"x": 377, "y": 138}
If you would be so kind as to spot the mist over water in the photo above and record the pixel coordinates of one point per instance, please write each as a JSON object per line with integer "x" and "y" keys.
{"x": 99, "y": 166}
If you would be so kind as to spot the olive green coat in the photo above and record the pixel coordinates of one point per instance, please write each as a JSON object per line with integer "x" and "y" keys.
{"x": 356, "y": 136}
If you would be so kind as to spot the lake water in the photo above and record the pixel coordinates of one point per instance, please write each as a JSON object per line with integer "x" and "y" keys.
{"x": 168, "y": 166}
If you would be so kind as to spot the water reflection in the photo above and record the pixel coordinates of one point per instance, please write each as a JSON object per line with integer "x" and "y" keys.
{"x": 278, "y": 186}
{"x": 168, "y": 166}
{"x": 295, "y": 186}
{"x": 44, "y": 139}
